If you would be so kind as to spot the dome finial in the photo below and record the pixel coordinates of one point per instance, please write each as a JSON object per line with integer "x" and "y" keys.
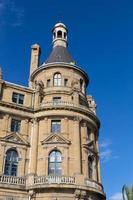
{"x": 60, "y": 35}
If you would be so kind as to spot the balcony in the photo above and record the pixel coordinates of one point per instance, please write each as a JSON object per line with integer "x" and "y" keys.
{"x": 57, "y": 104}
{"x": 13, "y": 181}
{"x": 40, "y": 180}
{"x": 94, "y": 184}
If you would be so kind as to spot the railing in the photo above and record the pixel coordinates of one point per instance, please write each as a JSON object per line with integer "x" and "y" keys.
{"x": 58, "y": 103}
{"x": 54, "y": 180}
{"x": 12, "y": 180}
{"x": 94, "y": 184}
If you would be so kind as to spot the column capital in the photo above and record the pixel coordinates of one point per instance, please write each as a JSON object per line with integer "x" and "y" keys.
{"x": 77, "y": 119}
{"x": 77, "y": 194}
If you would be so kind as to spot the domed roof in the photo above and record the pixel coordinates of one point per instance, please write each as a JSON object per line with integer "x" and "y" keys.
{"x": 60, "y": 54}
{"x": 60, "y": 24}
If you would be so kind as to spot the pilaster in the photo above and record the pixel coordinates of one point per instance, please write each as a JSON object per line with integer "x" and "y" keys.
{"x": 34, "y": 144}
{"x": 77, "y": 145}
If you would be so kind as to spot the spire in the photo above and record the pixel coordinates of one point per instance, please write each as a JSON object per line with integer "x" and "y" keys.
{"x": 59, "y": 35}
{"x": 1, "y": 74}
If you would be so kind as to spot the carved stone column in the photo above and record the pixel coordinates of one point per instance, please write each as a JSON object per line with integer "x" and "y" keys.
{"x": 77, "y": 194}
{"x": 64, "y": 127}
{"x": 84, "y": 151}
{"x": 45, "y": 126}
{"x": 77, "y": 145}
{"x": 98, "y": 163}
{"x": 5, "y": 124}
{"x": 2, "y": 157}
{"x": 83, "y": 195}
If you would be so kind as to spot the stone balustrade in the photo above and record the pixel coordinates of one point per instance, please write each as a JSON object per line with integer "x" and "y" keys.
{"x": 93, "y": 184}
{"x": 54, "y": 180}
{"x": 58, "y": 103}
{"x": 13, "y": 180}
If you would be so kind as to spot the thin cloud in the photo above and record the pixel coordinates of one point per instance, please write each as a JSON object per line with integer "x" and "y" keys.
{"x": 106, "y": 153}
{"x": 10, "y": 13}
{"x": 105, "y": 143}
{"x": 116, "y": 196}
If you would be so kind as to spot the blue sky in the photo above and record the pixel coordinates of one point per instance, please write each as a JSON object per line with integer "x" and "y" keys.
{"x": 101, "y": 41}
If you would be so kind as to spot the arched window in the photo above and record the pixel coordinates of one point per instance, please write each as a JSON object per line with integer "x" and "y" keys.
{"x": 57, "y": 79}
{"x": 11, "y": 162}
{"x": 65, "y": 35}
{"x": 55, "y": 163}
{"x": 59, "y": 34}
{"x": 90, "y": 167}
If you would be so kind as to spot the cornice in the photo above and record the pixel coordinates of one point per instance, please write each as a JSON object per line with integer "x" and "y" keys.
{"x": 86, "y": 112}
{"x": 60, "y": 64}
{"x": 18, "y": 87}
{"x": 16, "y": 106}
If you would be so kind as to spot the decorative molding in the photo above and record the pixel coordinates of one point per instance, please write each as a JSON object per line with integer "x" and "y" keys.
{"x": 14, "y": 138}
{"x": 55, "y": 139}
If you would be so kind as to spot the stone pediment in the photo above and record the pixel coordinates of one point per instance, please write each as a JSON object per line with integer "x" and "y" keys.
{"x": 14, "y": 138}
{"x": 55, "y": 139}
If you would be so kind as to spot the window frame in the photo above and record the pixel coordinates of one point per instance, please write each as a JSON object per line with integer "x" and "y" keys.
{"x": 18, "y": 98}
{"x": 56, "y": 126}
{"x": 57, "y": 79}
{"x": 56, "y": 164}
{"x": 11, "y": 162}
{"x": 56, "y": 100}
{"x": 17, "y": 125}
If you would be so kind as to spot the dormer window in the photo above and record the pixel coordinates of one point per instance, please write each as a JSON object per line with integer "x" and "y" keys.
{"x": 57, "y": 79}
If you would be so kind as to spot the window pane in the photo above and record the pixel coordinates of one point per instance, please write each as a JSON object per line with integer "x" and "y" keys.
{"x": 52, "y": 157}
{"x": 55, "y": 167}
{"x": 14, "y": 97}
{"x": 57, "y": 79}
{"x": 15, "y": 125}
{"x": 17, "y": 98}
{"x": 21, "y": 99}
{"x": 56, "y": 126}
{"x": 58, "y": 157}
{"x": 56, "y": 100}
{"x": 11, "y": 163}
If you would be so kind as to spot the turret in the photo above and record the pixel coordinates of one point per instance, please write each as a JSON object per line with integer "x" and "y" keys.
{"x": 59, "y": 35}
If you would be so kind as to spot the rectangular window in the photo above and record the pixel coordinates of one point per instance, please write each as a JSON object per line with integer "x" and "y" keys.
{"x": 48, "y": 83}
{"x": 65, "y": 82}
{"x": 56, "y": 100}
{"x": 17, "y": 98}
{"x": 15, "y": 125}
{"x": 56, "y": 126}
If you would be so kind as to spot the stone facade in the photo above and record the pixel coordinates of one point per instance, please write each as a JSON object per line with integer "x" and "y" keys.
{"x": 49, "y": 131}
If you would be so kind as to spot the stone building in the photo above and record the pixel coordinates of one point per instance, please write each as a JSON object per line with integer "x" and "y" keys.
{"x": 49, "y": 131}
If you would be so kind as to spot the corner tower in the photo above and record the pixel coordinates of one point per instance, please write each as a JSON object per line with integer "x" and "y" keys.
{"x": 68, "y": 128}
